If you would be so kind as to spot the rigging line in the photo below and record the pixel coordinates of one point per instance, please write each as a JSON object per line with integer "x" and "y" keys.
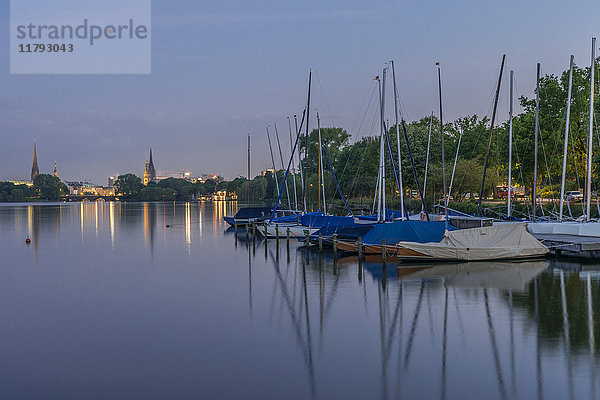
{"x": 325, "y": 97}
{"x": 352, "y": 147}
{"x": 547, "y": 171}
{"x": 362, "y": 107}
{"x": 373, "y": 90}
{"x": 516, "y": 150}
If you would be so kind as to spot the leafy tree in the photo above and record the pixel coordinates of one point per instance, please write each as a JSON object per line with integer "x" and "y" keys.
{"x": 128, "y": 185}
{"x": 333, "y": 139}
{"x": 49, "y": 187}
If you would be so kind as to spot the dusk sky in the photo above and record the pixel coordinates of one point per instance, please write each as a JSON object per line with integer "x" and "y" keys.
{"x": 223, "y": 69}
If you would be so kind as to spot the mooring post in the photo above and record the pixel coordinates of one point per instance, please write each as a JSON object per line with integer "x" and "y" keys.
{"x": 266, "y": 235}
{"x": 383, "y": 253}
{"x": 359, "y": 248}
{"x": 307, "y": 233}
{"x": 287, "y": 238}
{"x": 253, "y": 234}
{"x": 335, "y": 240}
{"x": 320, "y": 242}
{"x": 277, "y": 235}
{"x": 359, "y": 270}
{"x": 235, "y": 227}
{"x": 247, "y": 233}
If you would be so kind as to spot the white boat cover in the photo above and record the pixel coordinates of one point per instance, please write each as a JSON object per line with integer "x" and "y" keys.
{"x": 574, "y": 228}
{"x": 296, "y": 230}
{"x": 506, "y": 241}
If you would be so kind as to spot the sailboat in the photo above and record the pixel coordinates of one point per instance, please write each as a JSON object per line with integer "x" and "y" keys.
{"x": 584, "y": 226}
{"x": 385, "y": 233}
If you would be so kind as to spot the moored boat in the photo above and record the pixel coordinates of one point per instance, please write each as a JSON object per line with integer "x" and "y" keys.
{"x": 506, "y": 241}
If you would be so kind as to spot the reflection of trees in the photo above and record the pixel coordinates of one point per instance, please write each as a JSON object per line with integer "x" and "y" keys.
{"x": 552, "y": 324}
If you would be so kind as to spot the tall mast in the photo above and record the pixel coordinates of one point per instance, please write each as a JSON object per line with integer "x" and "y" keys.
{"x": 564, "y": 168}
{"x": 300, "y": 165}
{"x": 487, "y": 152}
{"x": 455, "y": 161}
{"x": 306, "y": 135}
{"x": 379, "y": 175}
{"x": 401, "y": 188}
{"x": 293, "y": 167}
{"x": 321, "y": 177}
{"x": 442, "y": 140}
{"x": 287, "y": 191}
{"x": 383, "y": 133}
{"x": 537, "y": 133}
{"x": 248, "y": 170}
{"x": 510, "y": 140}
{"x": 589, "y": 158}
{"x": 273, "y": 161}
{"x": 427, "y": 157}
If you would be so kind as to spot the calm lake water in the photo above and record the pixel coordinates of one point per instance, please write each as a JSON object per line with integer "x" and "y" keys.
{"x": 107, "y": 302}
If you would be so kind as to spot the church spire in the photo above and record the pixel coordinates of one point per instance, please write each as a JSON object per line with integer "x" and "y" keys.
{"x": 151, "y": 170}
{"x": 55, "y": 171}
{"x": 35, "y": 171}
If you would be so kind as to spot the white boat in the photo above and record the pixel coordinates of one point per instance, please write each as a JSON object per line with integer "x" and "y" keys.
{"x": 506, "y": 241}
{"x": 573, "y": 228}
{"x": 296, "y": 231}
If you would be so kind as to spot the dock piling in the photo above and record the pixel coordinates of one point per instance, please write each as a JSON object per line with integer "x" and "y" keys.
{"x": 235, "y": 228}
{"x": 266, "y": 235}
{"x": 335, "y": 241}
{"x": 320, "y": 242}
{"x": 359, "y": 248}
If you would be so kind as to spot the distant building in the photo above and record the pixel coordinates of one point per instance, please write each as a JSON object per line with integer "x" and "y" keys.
{"x": 149, "y": 171}
{"x": 268, "y": 170}
{"x": 224, "y": 195}
{"x": 55, "y": 171}
{"x": 18, "y": 182}
{"x": 112, "y": 180}
{"x": 86, "y": 188}
{"x": 35, "y": 171}
{"x": 206, "y": 177}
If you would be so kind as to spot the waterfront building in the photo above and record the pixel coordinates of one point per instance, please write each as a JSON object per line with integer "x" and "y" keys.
{"x": 89, "y": 189}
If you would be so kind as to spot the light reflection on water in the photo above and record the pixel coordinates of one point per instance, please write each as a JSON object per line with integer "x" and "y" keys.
{"x": 108, "y": 301}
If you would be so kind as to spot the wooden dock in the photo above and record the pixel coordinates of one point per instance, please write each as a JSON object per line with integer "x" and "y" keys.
{"x": 571, "y": 246}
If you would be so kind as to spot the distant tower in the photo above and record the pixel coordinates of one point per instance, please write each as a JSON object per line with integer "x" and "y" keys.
{"x": 55, "y": 171}
{"x": 151, "y": 170}
{"x": 35, "y": 171}
{"x": 146, "y": 178}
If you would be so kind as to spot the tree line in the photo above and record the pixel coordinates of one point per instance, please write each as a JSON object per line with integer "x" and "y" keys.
{"x": 45, "y": 187}
{"x": 356, "y": 163}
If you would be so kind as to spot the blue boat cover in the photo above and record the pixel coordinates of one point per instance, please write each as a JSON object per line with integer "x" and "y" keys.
{"x": 320, "y": 220}
{"x": 253, "y": 212}
{"x": 287, "y": 219}
{"x": 389, "y": 215}
{"x": 409, "y": 231}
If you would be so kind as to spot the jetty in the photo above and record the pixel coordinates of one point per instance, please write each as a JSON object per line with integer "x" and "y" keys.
{"x": 587, "y": 247}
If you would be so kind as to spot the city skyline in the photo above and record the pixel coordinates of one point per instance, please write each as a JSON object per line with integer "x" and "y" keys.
{"x": 148, "y": 170}
{"x": 200, "y": 101}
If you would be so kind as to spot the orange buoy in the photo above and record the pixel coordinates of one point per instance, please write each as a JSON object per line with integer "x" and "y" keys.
{"x": 28, "y": 241}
